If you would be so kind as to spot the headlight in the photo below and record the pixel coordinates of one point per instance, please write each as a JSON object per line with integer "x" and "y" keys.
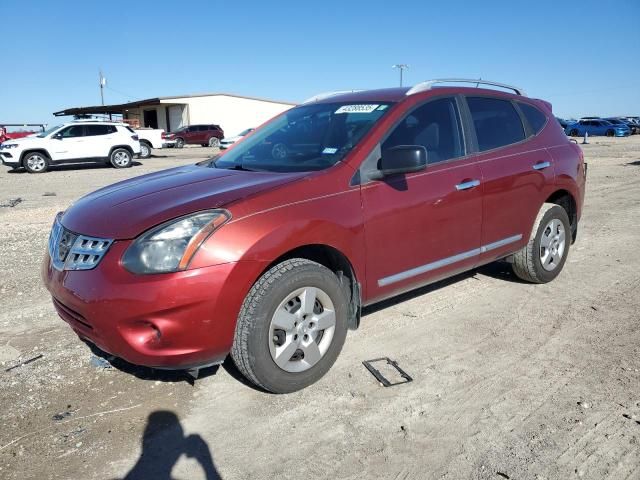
{"x": 169, "y": 247}
{"x": 9, "y": 145}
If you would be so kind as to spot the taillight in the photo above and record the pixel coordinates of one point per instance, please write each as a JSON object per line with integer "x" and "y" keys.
{"x": 135, "y": 137}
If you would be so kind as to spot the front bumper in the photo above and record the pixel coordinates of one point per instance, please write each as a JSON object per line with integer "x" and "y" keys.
{"x": 10, "y": 158}
{"x": 176, "y": 320}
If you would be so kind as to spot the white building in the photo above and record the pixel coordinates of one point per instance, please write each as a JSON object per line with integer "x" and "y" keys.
{"x": 233, "y": 113}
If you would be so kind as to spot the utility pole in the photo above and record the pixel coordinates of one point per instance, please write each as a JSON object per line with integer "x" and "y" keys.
{"x": 103, "y": 82}
{"x": 402, "y": 67}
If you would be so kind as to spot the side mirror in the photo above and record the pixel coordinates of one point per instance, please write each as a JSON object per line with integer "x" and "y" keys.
{"x": 401, "y": 159}
{"x": 58, "y": 136}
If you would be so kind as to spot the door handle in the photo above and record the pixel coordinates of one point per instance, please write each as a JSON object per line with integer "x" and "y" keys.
{"x": 467, "y": 185}
{"x": 541, "y": 165}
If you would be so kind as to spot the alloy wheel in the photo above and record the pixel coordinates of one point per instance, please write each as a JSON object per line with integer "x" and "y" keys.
{"x": 36, "y": 163}
{"x": 302, "y": 329}
{"x": 552, "y": 245}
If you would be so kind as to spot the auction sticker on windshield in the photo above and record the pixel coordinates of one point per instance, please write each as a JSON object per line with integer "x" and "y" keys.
{"x": 364, "y": 108}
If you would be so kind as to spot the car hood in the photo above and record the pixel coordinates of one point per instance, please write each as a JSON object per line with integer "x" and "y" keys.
{"x": 231, "y": 139}
{"x": 126, "y": 209}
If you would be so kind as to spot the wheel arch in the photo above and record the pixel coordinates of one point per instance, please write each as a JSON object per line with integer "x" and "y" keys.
{"x": 337, "y": 262}
{"x": 33, "y": 150}
{"x": 566, "y": 200}
{"x": 126, "y": 147}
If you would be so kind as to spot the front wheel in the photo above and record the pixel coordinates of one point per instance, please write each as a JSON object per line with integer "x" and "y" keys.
{"x": 542, "y": 259}
{"x": 610, "y": 133}
{"x": 214, "y": 142}
{"x": 36, "y": 162}
{"x": 179, "y": 143}
{"x": 574, "y": 133}
{"x": 120, "y": 158}
{"x": 291, "y": 327}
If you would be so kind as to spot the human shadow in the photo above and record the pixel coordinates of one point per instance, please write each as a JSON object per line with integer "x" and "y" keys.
{"x": 163, "y": 443}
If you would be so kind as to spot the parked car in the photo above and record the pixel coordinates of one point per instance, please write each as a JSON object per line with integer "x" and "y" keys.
{"x": 270, "y": 258}
{"x": 619, "y": 121}
{"x": 226, "y": 142}
{"x": 563, "y": 123}
{"x": 6, "y": 135}
{"x": 73, "y": 142}
{"x": 205, "y": 135}
{"x": 152, "y": 138}
{"x": 597, "y": 127}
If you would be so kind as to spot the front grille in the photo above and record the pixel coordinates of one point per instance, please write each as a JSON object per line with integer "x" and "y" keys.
{"x": 70, "y": 315}
{"x": 70, "y": 251}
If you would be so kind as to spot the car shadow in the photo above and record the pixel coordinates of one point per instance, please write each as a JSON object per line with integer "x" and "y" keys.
{"x": 163, "y": 443}
{"x": 635, "y": 163}
{"x": 75, "y": 166}
{"x": 147, "y": 373}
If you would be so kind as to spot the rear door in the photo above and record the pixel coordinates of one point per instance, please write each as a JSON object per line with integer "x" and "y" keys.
{"x": 99, "y": 139}
{"x": 423, "y": 226}
{"x": 516, "y": 170}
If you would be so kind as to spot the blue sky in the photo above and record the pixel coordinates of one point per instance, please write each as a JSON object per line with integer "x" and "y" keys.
{"x": 583, "y": 57}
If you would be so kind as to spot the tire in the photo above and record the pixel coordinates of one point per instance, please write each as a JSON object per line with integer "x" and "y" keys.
{"x": 543, "y": 258}
{"x": 274, "y": 325}
{"x": 214, "y": 142}
{"x": 573, "y": 133}
{"x": 279, "y": 151}
{"x": 121, "y": 158}
{"x": 610, "y": 133}
{"x": 36, "y": 162}
{"x": 179, "y": 143}
{"x": 145, "y": 150}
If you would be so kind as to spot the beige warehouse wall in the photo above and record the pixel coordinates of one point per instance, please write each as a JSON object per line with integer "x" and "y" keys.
{"x": 233, "y": 114}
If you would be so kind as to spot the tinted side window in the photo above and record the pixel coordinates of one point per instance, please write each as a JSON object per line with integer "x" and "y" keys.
{"x": 203, "y": 128}
{"x": 99, "y": 129}
{"x": 535, "y": 117}
{"x": 496, "y": 122}
{"x": 73, "y": 131}
{"x": 435, "y": 126}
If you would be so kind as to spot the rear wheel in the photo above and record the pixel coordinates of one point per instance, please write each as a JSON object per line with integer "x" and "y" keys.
{"x": 145, "y": 150}
{"x": 291, "y": 327}
{"x": 542, "y": 259}
{"x": 574, "y": 133}
{"x": 36, "y": 162}
{"x": 610, "y": 133}
{"x": 179, "y": 143}
{"x": 120, "y": 158}
{"x": 214, "y": 142}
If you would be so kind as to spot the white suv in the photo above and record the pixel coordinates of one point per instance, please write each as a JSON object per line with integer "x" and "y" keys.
{"x": 73, "y": 142}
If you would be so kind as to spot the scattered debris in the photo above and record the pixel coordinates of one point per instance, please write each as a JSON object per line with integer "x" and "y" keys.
{"x": 503, "y": 475}
{"x": 61, "y": 416}
{"x": 49, "y": 194}
{"x": 26, "y": 362}
{"x": 584, "y": 405}
{"x": 383, "y": 381}
{"x": 594, "y": 308}
{"x": 631, "y": 417}
{"x": 12, "y": 202}
{"x": 100, "y": 362}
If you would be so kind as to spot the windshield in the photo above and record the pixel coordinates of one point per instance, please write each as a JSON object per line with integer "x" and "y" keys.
{"x": 305, "y": 138}
{"x": 245, "y": 132}
{"x": 48, "y": 131}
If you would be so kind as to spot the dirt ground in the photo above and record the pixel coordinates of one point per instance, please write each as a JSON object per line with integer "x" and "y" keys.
{"x": 511, "y": 380}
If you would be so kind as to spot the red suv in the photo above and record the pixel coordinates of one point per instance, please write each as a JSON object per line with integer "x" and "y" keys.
{"x": 205, "y": 135}
{"x": 270, "y": 250}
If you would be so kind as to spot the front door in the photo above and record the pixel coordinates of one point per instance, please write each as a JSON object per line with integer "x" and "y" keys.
{"x": 423, "y": 226}
{"x": 69, "y": 143}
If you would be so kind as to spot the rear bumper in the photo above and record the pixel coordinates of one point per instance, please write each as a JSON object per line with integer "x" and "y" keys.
{"x": 178, "y": 320}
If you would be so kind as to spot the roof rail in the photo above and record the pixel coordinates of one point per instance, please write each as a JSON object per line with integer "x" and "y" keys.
{"x": 424, "y": 86}
{"x": 322, "y": 96}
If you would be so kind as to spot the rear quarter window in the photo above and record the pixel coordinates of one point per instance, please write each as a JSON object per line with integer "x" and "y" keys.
{"x": 537, "y": 120}
{"x": 496, "y": 122}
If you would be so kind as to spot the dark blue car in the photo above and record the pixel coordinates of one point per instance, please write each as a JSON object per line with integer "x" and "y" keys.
{"x": 597, "y": 127}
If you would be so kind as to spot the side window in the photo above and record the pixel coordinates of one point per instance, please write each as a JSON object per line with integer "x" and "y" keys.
{"x": 192, "y": 129}
{"x": 535, "y": 117}
{"x": 496, "y": 122}
{"x": 94, "y": 130}
{"x": 203, "y": 128}
{"x": 73, "y": 131}
{"x": 434, "y": 125}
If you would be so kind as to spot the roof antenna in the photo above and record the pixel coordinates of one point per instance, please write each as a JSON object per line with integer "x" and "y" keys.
{"x": 478, "y": 84}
